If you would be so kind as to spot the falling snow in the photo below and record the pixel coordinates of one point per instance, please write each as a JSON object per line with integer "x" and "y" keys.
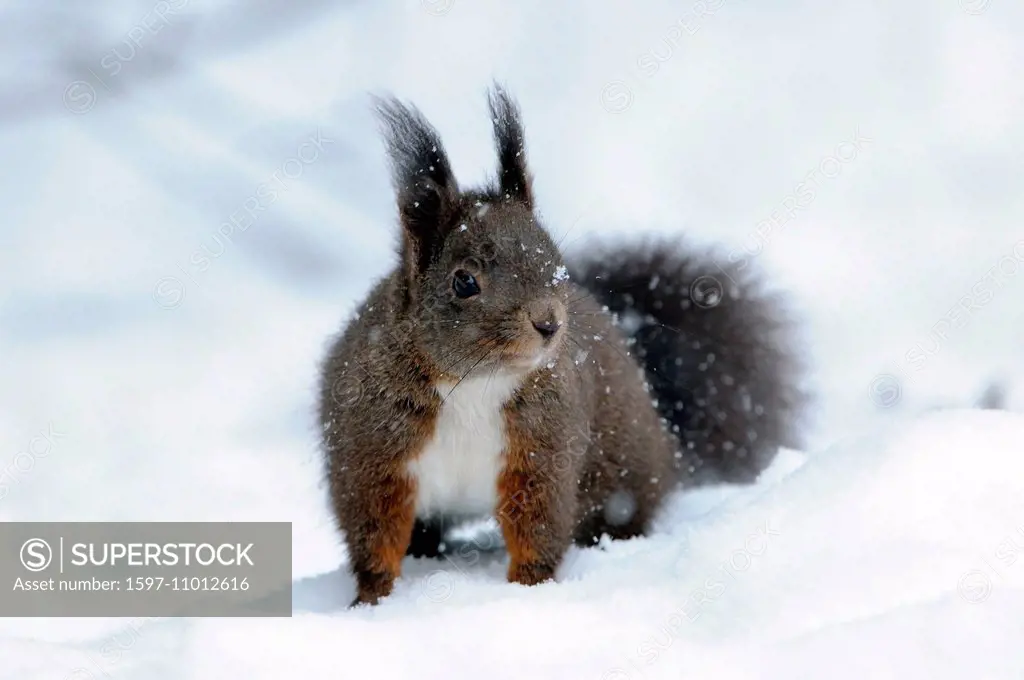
{"x": 805, "y": 603}
{"x": 630, "y": 322}
{"x": 619, "y": 508}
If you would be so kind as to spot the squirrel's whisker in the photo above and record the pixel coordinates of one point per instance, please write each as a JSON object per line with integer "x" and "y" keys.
{"x": 466, "y": 374}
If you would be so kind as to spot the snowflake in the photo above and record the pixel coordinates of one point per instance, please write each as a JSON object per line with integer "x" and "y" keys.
{"x": 561, "y": 274}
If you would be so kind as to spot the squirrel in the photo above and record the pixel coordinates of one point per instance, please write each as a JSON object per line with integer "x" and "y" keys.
{"x": 488, "y": 376}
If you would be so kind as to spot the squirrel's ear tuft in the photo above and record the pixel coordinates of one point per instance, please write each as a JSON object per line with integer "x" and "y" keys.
{"x": 514, "y": 180}
{"x": 425, "y": 187}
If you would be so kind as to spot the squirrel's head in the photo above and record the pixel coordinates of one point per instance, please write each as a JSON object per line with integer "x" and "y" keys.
{"x": 482, "y": 284}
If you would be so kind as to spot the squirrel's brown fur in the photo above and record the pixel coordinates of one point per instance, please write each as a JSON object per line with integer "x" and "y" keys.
{"x": 587, "y": 447}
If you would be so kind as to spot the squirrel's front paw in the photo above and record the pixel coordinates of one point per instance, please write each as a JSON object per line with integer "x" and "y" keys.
{"x": 530, "y": 573}
{"x": 371, "y": 587}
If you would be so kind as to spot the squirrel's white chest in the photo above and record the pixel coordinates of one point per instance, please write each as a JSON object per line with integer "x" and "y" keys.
{"x": 457, "y": 472}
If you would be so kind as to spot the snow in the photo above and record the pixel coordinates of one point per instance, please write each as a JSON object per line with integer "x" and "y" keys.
{"x": 561, "y": 274}
{"x": 870, "y": 559}
{"x": 182, "y": 236}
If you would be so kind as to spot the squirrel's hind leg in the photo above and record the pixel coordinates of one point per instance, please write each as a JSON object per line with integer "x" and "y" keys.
{"x": 427, "y": 537}
{"x": 589, "y": 531}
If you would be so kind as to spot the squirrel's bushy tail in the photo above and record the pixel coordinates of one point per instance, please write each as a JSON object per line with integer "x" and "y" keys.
{"x": 716, "y": 348}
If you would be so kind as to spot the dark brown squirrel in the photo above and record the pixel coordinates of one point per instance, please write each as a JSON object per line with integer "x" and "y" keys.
{"x": 487, "y": 376}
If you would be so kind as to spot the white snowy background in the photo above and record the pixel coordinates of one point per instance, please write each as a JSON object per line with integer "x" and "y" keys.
{"x": 138, "y": 385}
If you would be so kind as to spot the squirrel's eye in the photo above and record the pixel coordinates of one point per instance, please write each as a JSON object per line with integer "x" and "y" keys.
{"x": 464, "y": 284}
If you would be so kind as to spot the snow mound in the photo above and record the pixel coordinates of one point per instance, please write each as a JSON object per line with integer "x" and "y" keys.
{"x": 895, "y": 556}
{"x": 892, "y": 556}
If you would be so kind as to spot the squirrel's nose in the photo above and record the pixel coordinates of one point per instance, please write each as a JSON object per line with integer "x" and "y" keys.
{"x": 547, "y": 328}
